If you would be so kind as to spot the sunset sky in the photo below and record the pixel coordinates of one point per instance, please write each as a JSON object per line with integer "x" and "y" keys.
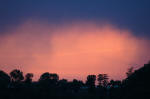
{"x": 74, "y": 38}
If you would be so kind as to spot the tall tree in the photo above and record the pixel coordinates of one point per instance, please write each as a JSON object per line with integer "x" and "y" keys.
{"x": 102, "y": 80}
{"x": 105, "y": 81}
{"x": 90, "y": 82}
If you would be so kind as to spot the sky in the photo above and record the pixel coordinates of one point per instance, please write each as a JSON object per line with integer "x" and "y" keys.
{"x": 74, "y": 38}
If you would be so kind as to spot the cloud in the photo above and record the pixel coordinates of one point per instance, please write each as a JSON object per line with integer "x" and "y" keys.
{"x": 72, "y": 50}
{"x": 128, "y": 14}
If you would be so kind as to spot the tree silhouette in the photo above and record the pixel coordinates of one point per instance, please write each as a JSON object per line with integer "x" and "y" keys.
{"x": 105, "y": 81}
{"x": 90, "y": 82}
{"x": 63, "y": 84}
{"x": 130, "y": 71}
{"x": 4, "y": 79}
{"x": 54, "y": 77}
{"x": 102, "y": 80}
{"x": 49, "y": 79}
{"x": 16, "y": 75}
{"x": 28, "y": 78}
{"x": 49, "y": 76}
{"x": 76, "y": 85}
{"x": 45, "y": 76}
{"x": 114, "y": 83}
{"x": 63, "y": 81}
{"x": 135, "y": 86}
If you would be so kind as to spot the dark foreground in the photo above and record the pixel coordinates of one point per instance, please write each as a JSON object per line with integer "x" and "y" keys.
{"x": 16, "y": 86}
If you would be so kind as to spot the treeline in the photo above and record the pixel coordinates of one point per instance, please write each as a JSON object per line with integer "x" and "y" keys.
{"x": 16, "y": 86}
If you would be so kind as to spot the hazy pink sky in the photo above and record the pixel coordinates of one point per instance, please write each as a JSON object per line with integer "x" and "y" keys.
{"x": 72, "y": 50}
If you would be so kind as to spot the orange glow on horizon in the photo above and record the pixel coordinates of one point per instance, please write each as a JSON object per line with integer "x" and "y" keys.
{"x": 72, "y": 51}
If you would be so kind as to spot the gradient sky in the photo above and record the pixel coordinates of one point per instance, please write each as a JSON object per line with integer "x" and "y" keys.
{"x": 74, "y": 38}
